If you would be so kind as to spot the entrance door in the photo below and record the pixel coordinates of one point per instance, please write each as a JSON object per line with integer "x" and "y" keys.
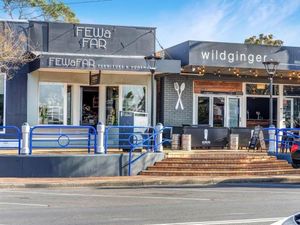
{"x": 288, "y": 113}
{"x": 233, "y": 109}
{"x": 89, "y": 105}
{"x": 218, "y": 111}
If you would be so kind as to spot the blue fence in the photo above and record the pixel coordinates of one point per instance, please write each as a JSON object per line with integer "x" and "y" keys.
{"x": 10, "y": 138}
{"x": 284, "y": 139}
{"x": 62, "y": 137}
{"x": 131, "y": 138}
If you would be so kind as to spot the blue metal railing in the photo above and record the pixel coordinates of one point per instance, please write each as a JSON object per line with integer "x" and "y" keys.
{"x": 11, "y": 136}
{"x": 131, "y": 138}
{"x": 62, "y": 137}
{"x": 284, "y": 139}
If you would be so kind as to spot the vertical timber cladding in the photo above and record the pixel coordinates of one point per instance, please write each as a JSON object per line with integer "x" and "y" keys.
{"x": 178, "y": 100}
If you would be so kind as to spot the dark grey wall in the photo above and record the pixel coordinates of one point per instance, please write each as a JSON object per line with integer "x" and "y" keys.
{"x": 171, "y": 116}
{"x": 74, "y": 165}
{"x": 16, "y": 98}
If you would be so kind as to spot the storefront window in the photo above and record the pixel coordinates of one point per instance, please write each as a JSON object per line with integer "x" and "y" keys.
{"x": 51, "y": 103}
{"x": 2, "y": 82}
{"x": 134, "y": 98}
{"x": 69, "y": 105}
{"x": 291, "y": 90}
{"x": 112, "y": 105}
{"x": 261, "y": 89}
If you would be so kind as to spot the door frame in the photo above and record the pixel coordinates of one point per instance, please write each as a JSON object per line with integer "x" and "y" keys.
{"x": 211, "y": 98}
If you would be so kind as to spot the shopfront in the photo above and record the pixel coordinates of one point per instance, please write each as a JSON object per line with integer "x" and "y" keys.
{"x": 226, "y": 85}
{"x": 87, "y": 74}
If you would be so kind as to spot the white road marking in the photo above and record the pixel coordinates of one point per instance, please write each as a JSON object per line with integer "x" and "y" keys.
{"x": 107, "y": 196}
{"x": 23, "y": 204}
{"x": 237, "y": 191}
{"x": 242, "y": 221}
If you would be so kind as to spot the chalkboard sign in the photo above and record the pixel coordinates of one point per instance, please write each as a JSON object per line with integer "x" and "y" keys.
{"x": 257, "y": 139}
{"x": 95, "y": 78}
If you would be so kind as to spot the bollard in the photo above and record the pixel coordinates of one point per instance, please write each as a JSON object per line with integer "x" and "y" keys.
{"x": 159, "y": 137}
{"x": 100, "y": 138}
{"x": 25, "y": 139}
{"x": 272, "y": 141}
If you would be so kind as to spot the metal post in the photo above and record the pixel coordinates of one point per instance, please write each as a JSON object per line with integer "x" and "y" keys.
{"x": 159, "y": 137}
{"x": 152, "y": 97}
{"x": 271, "y": 100}
{"x": 100, "y": 139}
{"x": 272, "y": 139}
{"x": 25, "y": 139}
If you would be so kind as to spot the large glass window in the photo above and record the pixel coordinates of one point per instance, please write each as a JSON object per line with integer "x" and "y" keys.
{"x": 261, "y": 89}
{"x": 112, "y": 105}
{"x": 2, "y": 96}
{"x": 51, "y": 103}
{"x": 134, "y": 98}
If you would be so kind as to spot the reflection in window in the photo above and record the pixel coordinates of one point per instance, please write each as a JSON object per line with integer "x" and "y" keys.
{"x": 134, "y": 98}
{"x": 69, "y": 105}
{"x": 261, "y": 89}
{"x": 290, "y": 90}
{"x": 112, "y": 105}
{"x": 2, "y": 82}
{"x": 51, "y": 103}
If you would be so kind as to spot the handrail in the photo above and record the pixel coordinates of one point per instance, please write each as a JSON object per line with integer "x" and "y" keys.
{"x": 132, "y": 138}
{"x": 17, "y": 136}
{"x": 62, "y": 137}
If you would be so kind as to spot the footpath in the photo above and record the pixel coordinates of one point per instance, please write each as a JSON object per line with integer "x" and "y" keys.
{"x": 140, "y": 181}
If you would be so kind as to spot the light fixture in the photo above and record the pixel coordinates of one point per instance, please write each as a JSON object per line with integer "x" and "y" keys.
{"x": 151, "y": 64}
{"x": 271, "y": 67}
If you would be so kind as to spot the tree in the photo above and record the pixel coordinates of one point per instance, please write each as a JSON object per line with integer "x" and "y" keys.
{"x": 263, "y": 40}
{"x": 13, "y": 50}
{"x": 39, "y": 9}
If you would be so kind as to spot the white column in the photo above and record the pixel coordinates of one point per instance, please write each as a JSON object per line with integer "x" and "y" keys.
{"x": 25, "y": 139}
{"x": 76, "y": 101}
{"x": 280, "y": 118}
{"x": 100, "y": 139}
{"x": 33, "y": 98}
{"x": 102, "y": 103}
{"x": 159, "y": 137}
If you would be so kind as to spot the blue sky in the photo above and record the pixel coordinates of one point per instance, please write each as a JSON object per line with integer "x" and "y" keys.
{"x": 206, "y": 20}
{"x": 209, "y": 20}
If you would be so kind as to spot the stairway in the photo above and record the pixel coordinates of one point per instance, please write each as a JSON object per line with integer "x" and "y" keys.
{"x": 219, "y": 163}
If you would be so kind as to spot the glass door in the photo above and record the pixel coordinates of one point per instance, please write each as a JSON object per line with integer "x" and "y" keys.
{"x": 203, "y": 110}
{"x": 288, "y": 112}
{"x": 89, "y": 105}
{"x": 233, "y": 109}
{"x": 218, "y": 111}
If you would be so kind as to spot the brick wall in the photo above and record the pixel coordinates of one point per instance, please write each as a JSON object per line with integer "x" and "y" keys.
{"x": 171, "y": 116}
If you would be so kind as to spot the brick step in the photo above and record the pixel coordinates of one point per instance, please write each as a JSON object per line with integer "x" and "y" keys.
{"x": 214, "y": 155}
{"x": 204, "y": 169}
{"x": 217, "y": 161}
{"x": 221, "y": 173}
{"x": 221, "y": 166}
{"x": 222, "y": 157}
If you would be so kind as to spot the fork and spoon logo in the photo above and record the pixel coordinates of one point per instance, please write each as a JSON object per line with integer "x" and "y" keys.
{"x": 179, "y": 91}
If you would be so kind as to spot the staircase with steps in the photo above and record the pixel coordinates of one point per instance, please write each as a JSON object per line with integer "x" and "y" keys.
{"x": 220, "y": 163}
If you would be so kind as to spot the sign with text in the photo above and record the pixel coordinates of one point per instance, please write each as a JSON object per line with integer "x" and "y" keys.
{"x": 92, "y": 39}
{"x": 95, "y": 78}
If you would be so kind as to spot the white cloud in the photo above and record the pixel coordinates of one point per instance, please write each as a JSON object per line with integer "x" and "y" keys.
{"x": 230, "y": 21}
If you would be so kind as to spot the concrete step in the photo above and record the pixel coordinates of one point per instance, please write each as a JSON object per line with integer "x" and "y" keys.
{"x": 222, "y": 173}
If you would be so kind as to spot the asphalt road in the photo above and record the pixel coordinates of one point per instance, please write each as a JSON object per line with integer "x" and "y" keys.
{"x": 230, "y": 204}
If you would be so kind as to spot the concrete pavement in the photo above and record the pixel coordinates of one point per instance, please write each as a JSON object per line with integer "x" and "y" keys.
{"x": 139, "y": 181}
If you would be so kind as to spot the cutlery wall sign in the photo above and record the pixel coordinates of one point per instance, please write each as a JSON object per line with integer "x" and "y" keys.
{"x": 179, "y": 91}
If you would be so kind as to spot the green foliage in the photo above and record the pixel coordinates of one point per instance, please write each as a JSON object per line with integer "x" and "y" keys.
{"x": 39, "y": 9}
{"x": 263, "y": 40}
